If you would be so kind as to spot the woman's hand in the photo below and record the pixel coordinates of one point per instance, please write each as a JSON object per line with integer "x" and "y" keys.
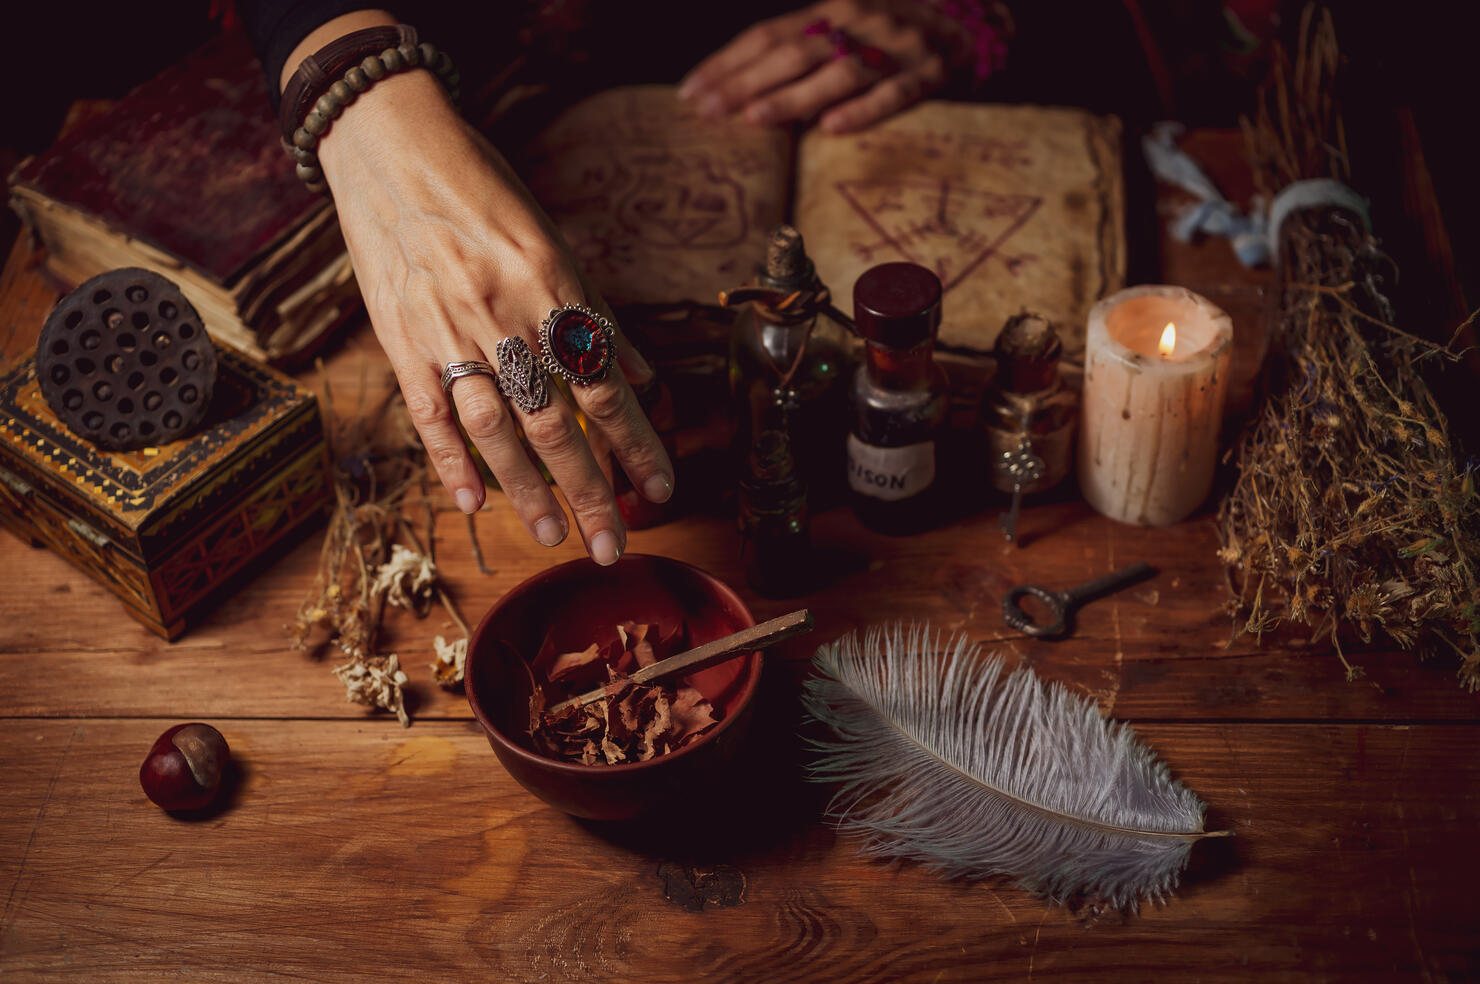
{"x": 793, "y": 68}
{"x": 452, "y": 255}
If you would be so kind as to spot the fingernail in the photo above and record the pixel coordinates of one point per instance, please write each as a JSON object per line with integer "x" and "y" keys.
{"x": 658, "y": 488}
{"x": 831, "y": 124}
{"x": 604, "y": 548}
{"x": 549, "y": 531}
{"x": 760, "y": 114}
{"x": 687, "y": 88}
{"x": 711, "y": 107}
{"x": 467, "y": 500}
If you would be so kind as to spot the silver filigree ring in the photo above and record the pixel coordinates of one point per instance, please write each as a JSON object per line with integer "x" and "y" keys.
{"x": 457, "y": 370}
{"x": 520, "y": 377}
{"x": 577, "y": 344}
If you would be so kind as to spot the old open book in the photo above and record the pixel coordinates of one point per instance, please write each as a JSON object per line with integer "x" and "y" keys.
{"x": 1012, "y": 206}
{"x": 185, "y": 177}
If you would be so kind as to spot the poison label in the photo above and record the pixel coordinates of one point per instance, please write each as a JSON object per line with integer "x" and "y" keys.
{"x": 890, "y": 474}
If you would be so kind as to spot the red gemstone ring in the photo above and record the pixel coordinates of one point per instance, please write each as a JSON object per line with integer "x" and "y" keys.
{"x": 576, "y": 342}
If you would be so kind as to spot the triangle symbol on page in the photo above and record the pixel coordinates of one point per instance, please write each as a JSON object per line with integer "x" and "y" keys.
{"x": 944, "y": 226}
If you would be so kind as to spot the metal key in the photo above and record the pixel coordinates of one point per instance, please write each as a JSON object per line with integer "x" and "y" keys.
{"x": 1025, "y": 467}
{"x": 1061, "y": 604}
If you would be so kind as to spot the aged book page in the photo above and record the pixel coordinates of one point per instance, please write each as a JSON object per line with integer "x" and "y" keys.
{"x": 1012, "y": 206}
{"x": 657, "y": 206}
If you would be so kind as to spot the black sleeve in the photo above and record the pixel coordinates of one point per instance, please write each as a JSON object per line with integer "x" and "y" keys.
{"x": 276, "y": 26}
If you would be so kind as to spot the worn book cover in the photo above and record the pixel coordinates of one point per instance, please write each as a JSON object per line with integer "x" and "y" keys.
{"x": 1013, "y": 207}
{"x": 186, "y": 176}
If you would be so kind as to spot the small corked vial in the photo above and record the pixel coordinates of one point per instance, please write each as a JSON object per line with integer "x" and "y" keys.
{"x": 1028, "y": 400}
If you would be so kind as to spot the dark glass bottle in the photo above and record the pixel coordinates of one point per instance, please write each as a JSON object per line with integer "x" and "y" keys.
{"x": 899, "y": 399}
{"x": 773, "y": 520}
{"x": 792, "y": 375}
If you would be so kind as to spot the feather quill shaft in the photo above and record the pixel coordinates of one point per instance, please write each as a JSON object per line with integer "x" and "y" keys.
{"x": 942, "y": 757}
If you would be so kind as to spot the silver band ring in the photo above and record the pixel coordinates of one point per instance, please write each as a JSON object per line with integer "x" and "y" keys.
{"x": 520, "y": 377}
{"x": 457, "y": 370}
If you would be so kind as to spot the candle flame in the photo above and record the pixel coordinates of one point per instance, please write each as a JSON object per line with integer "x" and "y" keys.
{"x": 1168, "y": 340}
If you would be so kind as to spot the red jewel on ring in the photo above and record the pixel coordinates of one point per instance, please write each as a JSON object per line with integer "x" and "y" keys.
{"x": 576, "y": 344}
{"x": 874, "y": 58}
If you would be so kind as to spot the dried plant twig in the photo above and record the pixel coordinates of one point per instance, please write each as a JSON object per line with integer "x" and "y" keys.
{"x": 372, "y": 557}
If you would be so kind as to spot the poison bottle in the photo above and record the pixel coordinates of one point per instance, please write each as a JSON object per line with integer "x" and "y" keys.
{"x": 899, "y": 399}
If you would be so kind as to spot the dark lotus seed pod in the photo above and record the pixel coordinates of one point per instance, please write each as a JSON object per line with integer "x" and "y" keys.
{"x": 125, "y": 362}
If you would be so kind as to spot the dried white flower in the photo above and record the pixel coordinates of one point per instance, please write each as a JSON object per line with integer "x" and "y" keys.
{"x": 452, "y": 657}
{"x": 408, "y": 580}
{"x": 376, "y": 681}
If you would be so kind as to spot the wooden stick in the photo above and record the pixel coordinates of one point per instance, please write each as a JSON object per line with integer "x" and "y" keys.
{"x": 744, "y": 641}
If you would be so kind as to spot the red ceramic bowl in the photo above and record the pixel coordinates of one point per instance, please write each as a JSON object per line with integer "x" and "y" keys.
{"x": 572, "y": 604}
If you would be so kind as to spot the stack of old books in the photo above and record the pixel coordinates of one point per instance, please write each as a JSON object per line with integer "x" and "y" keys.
{"x": 186, "y": 176}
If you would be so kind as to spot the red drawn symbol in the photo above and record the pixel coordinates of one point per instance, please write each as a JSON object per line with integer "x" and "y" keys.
{"x": 684, "y": 202}
{"x": 947, "y": 228}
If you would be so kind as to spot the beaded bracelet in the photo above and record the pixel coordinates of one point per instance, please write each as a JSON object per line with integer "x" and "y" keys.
{"x": 315, "y": 83}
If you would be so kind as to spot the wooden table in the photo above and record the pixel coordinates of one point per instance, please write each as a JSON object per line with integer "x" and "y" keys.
{"x": 354, "y": 849}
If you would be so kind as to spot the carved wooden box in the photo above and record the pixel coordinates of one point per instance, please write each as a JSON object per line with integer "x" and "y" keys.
{"x": 168, "y": 529}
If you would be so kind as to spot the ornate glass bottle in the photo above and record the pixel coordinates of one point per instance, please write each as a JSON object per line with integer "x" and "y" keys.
{"x": 788, "y": 367}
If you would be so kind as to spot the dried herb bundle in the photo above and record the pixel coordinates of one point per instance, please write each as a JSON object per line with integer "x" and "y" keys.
{"x": 1351, "y": 511}
{"x": 372, "y": 557}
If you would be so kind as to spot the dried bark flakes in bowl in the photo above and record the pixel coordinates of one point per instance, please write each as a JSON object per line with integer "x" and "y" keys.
{"x": 634, "y": 722}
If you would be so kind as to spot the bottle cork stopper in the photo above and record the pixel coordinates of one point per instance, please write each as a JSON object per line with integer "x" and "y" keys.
{"x": 1027, "y": 351}
{"x": 787, "y": 264}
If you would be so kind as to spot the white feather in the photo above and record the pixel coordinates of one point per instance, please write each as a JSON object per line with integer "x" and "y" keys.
{"x": 942, "y": 759}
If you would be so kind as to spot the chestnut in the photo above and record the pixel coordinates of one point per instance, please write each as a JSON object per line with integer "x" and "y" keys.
{"x": 183, "y": 769}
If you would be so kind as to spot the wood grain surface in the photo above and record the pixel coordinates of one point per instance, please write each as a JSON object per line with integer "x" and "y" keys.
{"x": 352, "y": 849}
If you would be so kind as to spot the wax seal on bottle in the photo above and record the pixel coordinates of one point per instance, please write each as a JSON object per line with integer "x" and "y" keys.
{"x": 125, "y": 362}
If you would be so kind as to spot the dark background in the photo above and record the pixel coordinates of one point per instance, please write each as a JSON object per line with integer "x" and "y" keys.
{"x": 1415, "y": 55}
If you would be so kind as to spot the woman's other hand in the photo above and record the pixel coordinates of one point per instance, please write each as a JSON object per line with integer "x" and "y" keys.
{"x": 845, "y": 63}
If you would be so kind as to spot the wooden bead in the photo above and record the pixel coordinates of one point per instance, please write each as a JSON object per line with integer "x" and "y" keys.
{"x": 327, "y": 106}
{"x": 444, "y": 64}
{"x": 315, "y": 122}
{"x": 317, "y": 186}
{"x": 411, "y": 54}
{"x": 373, "y": 68}
{"x": 392, "y": 60}
{"x": 309, "y": 174}
{"x": 342, "y": 92}
{"x": 357, "y": 79}
{"x": 304, "y": 140}
{"x": 452, "y": 80}
{"x": 429, "y": 55}
{"x": 301, "y": 156}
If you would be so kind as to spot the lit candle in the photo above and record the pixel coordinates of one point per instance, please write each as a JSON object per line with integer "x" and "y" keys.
{"x": 1155, "y": 378}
